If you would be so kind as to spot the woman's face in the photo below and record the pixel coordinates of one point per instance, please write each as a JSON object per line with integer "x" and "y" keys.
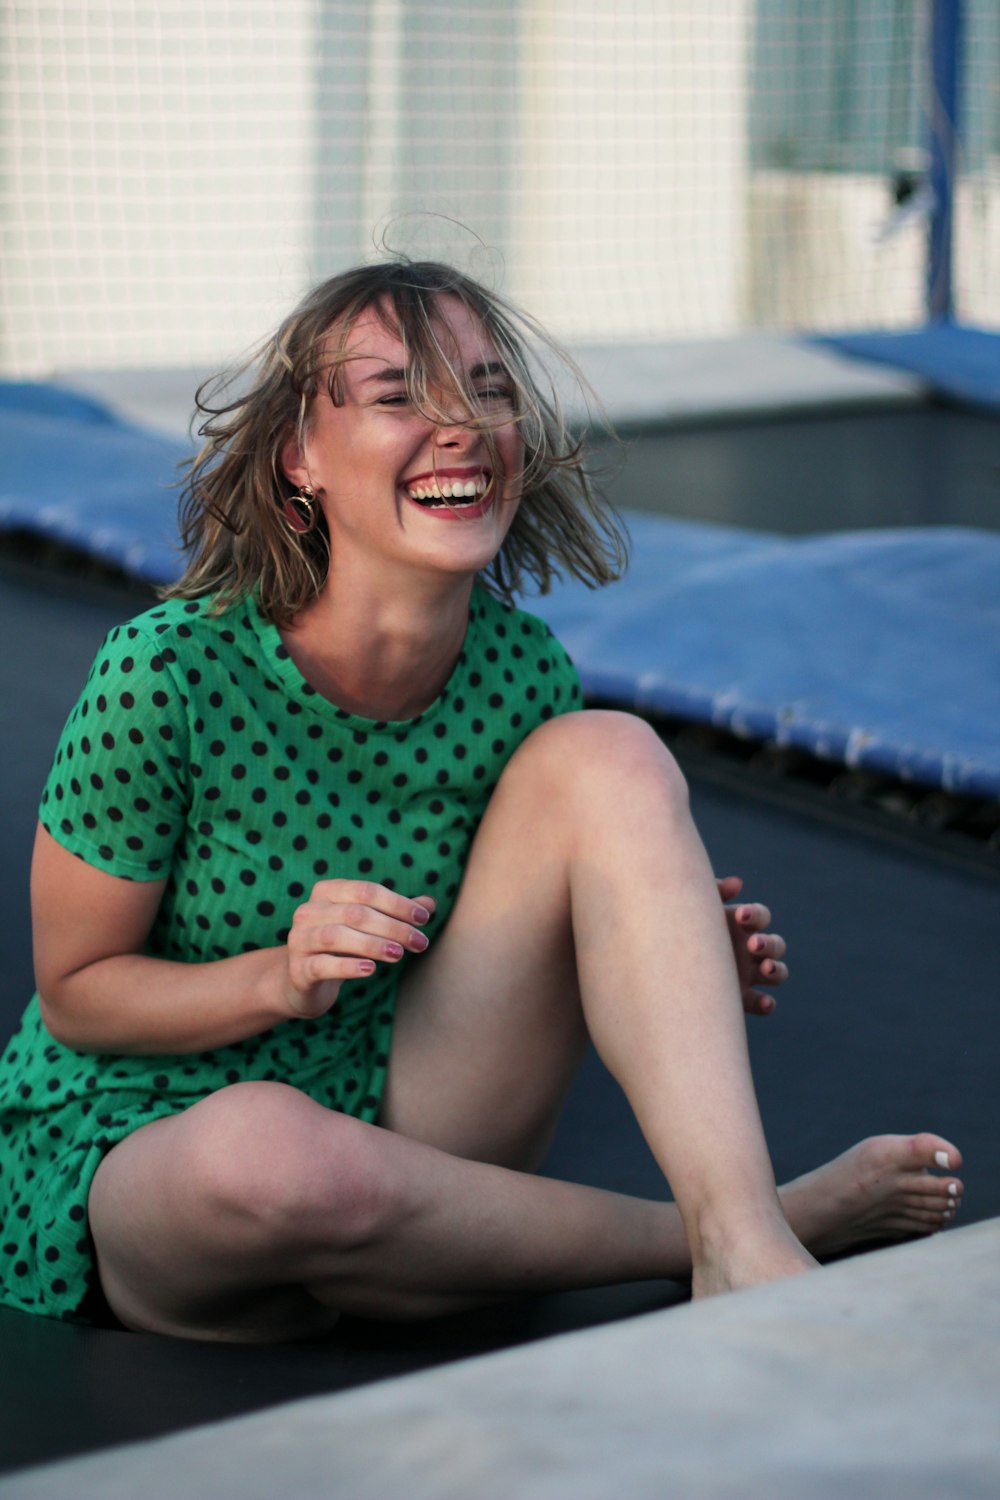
{"x": 397, "y": 488}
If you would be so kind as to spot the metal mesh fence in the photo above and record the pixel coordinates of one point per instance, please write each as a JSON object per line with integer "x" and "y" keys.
{"x": 172, "y": 176}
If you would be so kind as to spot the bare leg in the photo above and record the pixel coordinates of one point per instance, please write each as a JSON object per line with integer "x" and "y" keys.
{"x": 588, "y": 875}
{"x": 258, "y": 1214}
{"x": 588, "y": 864}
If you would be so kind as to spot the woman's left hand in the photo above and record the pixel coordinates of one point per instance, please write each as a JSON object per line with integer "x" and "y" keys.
{"x": 758, "y": 953}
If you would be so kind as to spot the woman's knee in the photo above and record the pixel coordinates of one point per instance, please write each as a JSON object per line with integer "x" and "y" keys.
{"x": 602, "y": 749}
{"x": 273, "y": 1167}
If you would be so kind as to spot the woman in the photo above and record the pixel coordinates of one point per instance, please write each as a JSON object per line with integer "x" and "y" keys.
{"x": 333, "y": 883}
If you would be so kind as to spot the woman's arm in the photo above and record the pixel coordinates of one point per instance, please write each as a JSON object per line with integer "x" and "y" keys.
{"x": 99, "y": 992}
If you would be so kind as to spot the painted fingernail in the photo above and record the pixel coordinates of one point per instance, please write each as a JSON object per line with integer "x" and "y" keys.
{"x": 952, "y": 1190}
{"x": 755, "y": 944}
{"x": 394, "y": 950}
{"x": 419, "y": 941}
{"x": 420, "y": 914}
{"x": 365, "y": 966}
{"x": 941, "y": 1158}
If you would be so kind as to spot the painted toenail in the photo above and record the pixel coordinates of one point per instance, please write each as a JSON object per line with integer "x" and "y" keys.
{"x": 941, "y": 1158}
{"x": 952, "y": 1190}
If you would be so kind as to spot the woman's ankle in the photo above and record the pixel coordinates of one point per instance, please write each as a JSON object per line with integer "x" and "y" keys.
{"x": 743, "y": 1247}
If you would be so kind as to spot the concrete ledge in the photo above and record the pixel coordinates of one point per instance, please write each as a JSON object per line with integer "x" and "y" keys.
{"x": 750, "y": 375}
{"x": 699, "y": 380}
{"x": 876, "y": 1379}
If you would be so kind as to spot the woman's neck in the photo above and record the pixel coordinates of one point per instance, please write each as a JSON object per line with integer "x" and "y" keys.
{"x": 376, "y": 655}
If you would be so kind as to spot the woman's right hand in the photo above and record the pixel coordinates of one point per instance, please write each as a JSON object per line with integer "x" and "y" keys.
{"x": 343, "y": 930}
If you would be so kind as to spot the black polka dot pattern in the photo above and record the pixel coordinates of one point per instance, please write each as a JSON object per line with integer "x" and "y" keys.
{"x": 198, "y": 756}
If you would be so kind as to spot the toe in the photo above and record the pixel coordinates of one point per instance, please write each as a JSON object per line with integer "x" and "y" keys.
{"x": 928, "y": 1223}
{"x": 924, "y": 1185}
{"x": 906, "y": 1226}
{"x": 934, "y": 1152}
{"x": 923, "y": 1203}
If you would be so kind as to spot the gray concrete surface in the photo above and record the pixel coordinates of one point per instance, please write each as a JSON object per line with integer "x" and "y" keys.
{"x": 752, "y": 374}
{"x": 875, "y": 1378}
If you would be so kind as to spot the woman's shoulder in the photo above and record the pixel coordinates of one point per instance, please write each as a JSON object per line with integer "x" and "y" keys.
{"x": 179, "y": 641}
{"x": 515, "y": 636}
{"x": 176, "y": 628}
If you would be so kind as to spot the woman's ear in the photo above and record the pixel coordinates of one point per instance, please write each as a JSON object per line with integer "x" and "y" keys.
{"x": 292, "y": 461}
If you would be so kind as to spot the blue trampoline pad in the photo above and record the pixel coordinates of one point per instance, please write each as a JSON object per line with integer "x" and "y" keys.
{"x": 875, "y": 648}
{"x": 963, "y": 363}
{"x": 77, "y": 475}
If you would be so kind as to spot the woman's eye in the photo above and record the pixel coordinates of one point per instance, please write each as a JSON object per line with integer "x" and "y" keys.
{"x": 399, "y": 398}
{"x": 494, "y": 393}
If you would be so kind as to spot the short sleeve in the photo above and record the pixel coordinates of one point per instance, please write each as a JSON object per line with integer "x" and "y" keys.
{"x": 118, "y": 791}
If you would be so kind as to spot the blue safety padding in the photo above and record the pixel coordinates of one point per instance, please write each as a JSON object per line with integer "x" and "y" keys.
{"x": 75, "y": 473}
{"x": 874, "y": 648}
{"x": 960, "y": 362}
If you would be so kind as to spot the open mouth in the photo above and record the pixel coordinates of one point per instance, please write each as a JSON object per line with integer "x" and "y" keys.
{"x": 452, "y": 492}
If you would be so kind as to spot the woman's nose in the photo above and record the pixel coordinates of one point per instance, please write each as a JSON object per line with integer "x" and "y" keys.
{"x": 455, "y": 432}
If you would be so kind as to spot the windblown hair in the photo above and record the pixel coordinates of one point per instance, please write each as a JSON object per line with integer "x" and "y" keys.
{"x": 231, "y": 518}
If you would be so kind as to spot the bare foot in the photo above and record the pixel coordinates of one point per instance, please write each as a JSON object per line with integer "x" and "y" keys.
{"x": 749, "y": 1254}
{"x": 884, "y": 1188}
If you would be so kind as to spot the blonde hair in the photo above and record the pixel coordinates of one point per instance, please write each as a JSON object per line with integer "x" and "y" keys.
{"x": 231, "y": 503}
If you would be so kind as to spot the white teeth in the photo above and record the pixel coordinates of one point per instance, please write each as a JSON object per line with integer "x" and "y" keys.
{"x": 450, "y": 489}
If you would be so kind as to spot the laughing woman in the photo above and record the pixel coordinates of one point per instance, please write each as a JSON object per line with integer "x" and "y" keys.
{"x": 335, "y": 881}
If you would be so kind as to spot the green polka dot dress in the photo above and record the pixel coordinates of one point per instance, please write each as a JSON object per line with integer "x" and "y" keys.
{"x": 199, "y": 754}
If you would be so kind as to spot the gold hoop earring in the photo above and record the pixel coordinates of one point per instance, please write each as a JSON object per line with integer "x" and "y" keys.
{"x": 298, "y": 511}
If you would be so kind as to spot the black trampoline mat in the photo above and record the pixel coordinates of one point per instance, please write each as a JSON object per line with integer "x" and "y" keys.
{"x": 890, "y": 1025}
{"x": 930, "y": 465}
